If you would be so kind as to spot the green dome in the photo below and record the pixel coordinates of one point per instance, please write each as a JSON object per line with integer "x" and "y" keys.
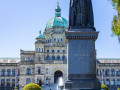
{"x": 40, "y": 35}
{"x": 57, "y": 21}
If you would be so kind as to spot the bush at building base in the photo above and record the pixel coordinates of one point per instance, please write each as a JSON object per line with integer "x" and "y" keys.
{"x": 32, "y": 86}
{"x": 104, "y": 87}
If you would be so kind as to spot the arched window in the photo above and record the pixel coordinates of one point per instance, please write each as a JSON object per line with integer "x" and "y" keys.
{"x": 117, "y": 72}
{"x": 28, "y": 71}
{"x": 107, "y": 72}
{"x": 13, "y": 72}
{"x": 53, "y": 57}
{"x": 3, "y": 72}
{"x": 112, "y": 72}
{"x": 31, "y": 58}
{"x": 39, "y": 58}
{"x": 63, "y": 57}
{"x": 58, "y": 57}
{"x": 28, "y": 80}
{"x": 26, "y": 58}
{"x": 8, "y": 72}
{"x": 47, "y": 57}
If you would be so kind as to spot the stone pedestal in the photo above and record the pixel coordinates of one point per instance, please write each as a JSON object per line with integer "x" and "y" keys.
{"x": 82, "y": 60}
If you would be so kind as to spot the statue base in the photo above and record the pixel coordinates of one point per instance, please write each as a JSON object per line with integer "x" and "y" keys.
{"x": 83, "y": 84}
{"x": 82, "y": 60}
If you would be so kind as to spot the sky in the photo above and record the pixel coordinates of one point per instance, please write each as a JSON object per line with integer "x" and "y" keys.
{"x": 21, "y": 20}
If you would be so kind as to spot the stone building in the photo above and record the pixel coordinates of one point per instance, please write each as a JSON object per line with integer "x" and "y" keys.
{"x": 9, "y": 73}
{"x": 48, "y": 61}
{"x": 108, "y": 72}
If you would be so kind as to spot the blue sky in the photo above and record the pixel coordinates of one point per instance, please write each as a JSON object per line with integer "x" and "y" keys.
{"x": 21, "y": 20}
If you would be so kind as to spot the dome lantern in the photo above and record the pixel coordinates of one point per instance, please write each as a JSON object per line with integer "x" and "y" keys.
{"x": 58, "y": 10}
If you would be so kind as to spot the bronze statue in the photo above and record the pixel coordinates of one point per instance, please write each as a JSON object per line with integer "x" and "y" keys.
{"x": 81, "y": 14}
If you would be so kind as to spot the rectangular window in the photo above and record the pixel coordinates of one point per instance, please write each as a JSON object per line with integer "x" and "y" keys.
{"x": 39, "y": 70}
{"x": 2, "y": 82}
{"x": 8, "y": 82}
{"x": 13, "y": 82}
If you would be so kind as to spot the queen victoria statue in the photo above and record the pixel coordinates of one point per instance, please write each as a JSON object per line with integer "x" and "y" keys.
{"x": 81, "y": 14}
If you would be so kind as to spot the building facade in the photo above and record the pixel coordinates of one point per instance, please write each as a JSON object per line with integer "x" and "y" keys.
{"x": 48, "y": 61}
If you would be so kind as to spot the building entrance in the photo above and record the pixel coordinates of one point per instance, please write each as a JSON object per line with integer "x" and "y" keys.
{"x": 57, "y": 74}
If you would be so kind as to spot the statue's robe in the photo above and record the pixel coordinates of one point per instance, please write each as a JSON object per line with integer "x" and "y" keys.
{"x": 81, "y": 13}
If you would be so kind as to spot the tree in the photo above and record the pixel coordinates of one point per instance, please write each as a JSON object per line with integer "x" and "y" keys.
{"x": 32, "y": 86}
{"x": 116, "y": 19}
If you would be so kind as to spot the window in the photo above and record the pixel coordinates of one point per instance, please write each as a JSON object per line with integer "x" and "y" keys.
{"x": 42, "y": 50}
{"x": 107, "y": 72}
{"x": 8, "y": 72}
{"x": 58, "y": 51}
{"x": 107, "y": 82}
{"x": 53, "y": 51}
{"x": 39, "y": 71}
{"x": 54, "y": 39}
{"x": 118, "y": 81}
{"x": 112, "y": 72}
{"x": 46, "y": 70}
{"x": 117, "y": 72}
{"x": 39, "y": 58}
{"x": 47, "y": 57}
{"x": 58, "y": 57}
{"x": 53, "y": 57}
{"x": 47, "y": 50}
{"x": 3, "y": 72}
{"x": 112, "y": 82}
{"x": 61, "y": 39}
{"x": 63, "y": 51}
{"x": 13, "y": 72}
{"x": 31, "y": 58}
{"x": 28, "y": 80}
{"x": 26, "y": 58}
{"x": 28, "y": 71}
{"x": 13, "y": 82}
{"x": 39, "y": 49}
{"x": 8, "y": 82}
{"x": 97, "y": 71}
{"x": 63, "y": 57}
{"x": 2, "y": 82}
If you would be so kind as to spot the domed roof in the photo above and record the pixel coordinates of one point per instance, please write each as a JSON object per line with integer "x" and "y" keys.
{"x": 57, "y": 21}
{"x": 40, "y": 35}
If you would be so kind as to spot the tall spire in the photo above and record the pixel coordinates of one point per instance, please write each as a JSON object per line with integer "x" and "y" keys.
{"x": 58, "y": 10}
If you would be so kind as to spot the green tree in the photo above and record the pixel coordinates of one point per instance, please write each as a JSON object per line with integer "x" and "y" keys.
{"x": 32, "y": 86}
{"x": 116, "y": 19}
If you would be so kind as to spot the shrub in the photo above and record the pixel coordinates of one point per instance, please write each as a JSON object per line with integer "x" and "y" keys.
{"x": 104, "y": 87}
{"x": 32, "y": 86}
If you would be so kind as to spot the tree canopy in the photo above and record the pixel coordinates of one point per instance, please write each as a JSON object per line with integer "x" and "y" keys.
{"x": 116, "y": 19}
